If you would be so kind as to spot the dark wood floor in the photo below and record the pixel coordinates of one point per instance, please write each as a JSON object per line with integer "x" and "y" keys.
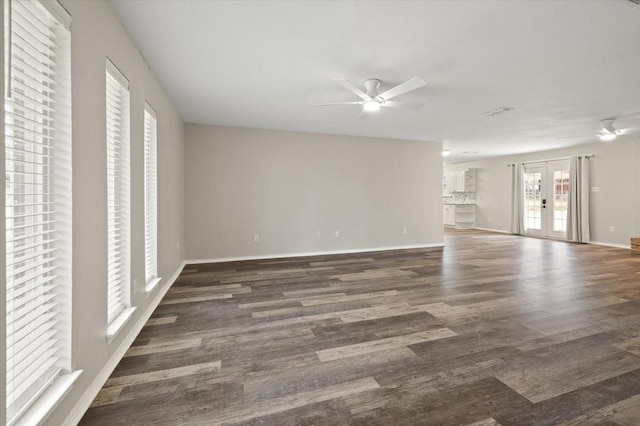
{"x": 492, "y": 330}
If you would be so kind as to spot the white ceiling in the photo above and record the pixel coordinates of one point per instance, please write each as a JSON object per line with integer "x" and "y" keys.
{"x": 563, "y": 66}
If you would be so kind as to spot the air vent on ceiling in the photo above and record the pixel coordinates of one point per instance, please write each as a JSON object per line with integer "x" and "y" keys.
{"x": 500, "y": 110}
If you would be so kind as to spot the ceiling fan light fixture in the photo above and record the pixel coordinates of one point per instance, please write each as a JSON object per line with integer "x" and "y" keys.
{"x": 371, "y": 105}
{"x": 607, "y": 137}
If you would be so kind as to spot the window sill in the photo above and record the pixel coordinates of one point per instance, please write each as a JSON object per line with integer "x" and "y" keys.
{"x": 118, "y": 323}
{"x": 151, "y": 285}
{"x": 49, "y": 400}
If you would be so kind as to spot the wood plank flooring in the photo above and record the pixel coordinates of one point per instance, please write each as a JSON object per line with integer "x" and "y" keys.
{"x": 491, "y": 330}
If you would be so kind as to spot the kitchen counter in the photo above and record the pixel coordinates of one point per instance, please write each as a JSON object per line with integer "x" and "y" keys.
{"x": 461, "y": 215}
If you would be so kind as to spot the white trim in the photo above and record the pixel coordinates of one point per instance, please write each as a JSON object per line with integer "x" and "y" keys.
{"x": 152, "y": 284}
{"x": 597, "y": 243}
{"x": 89, "y": 395}
{"x": 308, "y": 254}
{"x": 118, "y": 323}
{"x": 150, "y": 110}
{"x": 499, "y": 231}
{"x": 117, "y": 74}
{"x": 40, "y": 410}
{"x": 622, "y": 246}
{"x": 58, "y": 11}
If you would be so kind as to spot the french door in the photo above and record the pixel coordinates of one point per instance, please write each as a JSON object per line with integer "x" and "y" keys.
{"x": 546, "y": 198}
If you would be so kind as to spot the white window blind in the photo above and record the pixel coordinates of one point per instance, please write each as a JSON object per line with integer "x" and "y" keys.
{"x": 118, "y": 202}
{"x": 150, "y": 197}
{"x": 37, "y": 199}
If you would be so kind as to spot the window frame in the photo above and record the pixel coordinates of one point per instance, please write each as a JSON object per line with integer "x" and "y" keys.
{"x": 51, "y": 110}
{"x": 152, "y": 278}
{"x": 118, "y": 159}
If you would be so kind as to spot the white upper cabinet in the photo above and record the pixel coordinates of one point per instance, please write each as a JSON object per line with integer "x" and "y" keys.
{"x": 469, "y": 180}
{"x": 462, "y": 181}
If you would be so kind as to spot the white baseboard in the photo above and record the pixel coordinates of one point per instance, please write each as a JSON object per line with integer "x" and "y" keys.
{"x": 622, "y": 246}
{"x": 597, "y": 243}
{"x": 89, "y": 395}
{"x": 308, "y": 254}
{"x": 500, "y": 231}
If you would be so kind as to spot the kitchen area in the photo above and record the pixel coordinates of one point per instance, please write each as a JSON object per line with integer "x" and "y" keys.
{"x": 459, "y": 199}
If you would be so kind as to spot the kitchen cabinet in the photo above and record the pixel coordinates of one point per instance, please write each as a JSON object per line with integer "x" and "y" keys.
{"x": 469, "y": 180}
{"x": 465, "y": 216}
{"x": 460, "y": 216}
{"x": 449, "y": 215}
{"x": 453, "y": 182}
{"x": 462, "y": 181}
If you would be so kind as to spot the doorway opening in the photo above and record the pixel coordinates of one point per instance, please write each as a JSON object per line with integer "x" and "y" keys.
{"x": 546, "y": 199}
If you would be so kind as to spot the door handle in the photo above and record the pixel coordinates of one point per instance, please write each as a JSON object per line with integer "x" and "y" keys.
{"x": 544, "y": 203}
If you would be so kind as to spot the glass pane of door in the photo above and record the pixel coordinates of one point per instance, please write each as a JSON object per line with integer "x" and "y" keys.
{"x": 560, "y": 200}
{"x": 533, "y": 200}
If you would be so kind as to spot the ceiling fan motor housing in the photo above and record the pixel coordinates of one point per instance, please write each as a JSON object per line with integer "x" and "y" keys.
{"x": 372, "y": 85}
{"x": 607, "y": 124}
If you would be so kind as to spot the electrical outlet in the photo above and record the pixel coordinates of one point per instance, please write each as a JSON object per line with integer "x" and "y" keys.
{"x": 404, "y": 231}
{"x": 135, "y": 282}
{"x": 337, "y": 234}
{"x": 489, "y": 219}
{"x": 256, "y": 238}
{"x": 178, "y": 246}
{"x": 612, "y": 229}
{"x": 595, "y": 189}
{"x": 318, "y": 234}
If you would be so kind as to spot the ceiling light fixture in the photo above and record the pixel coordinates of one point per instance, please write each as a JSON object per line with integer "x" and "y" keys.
{"x": 371, "y": 105}
{"x": 446, "y": 152}
{"x": 607, "y": 137}
{"x": 608, "y": 132}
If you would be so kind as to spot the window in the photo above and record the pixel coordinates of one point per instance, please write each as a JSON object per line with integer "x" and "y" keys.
{"x": 118, "y": 203}
{"x": 37, "y": 204}
{"x": 150, "y": 198}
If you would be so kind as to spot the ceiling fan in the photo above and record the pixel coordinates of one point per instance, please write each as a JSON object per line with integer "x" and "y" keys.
{"x": 606, "y": 134}
{"x": 372, "y": 100}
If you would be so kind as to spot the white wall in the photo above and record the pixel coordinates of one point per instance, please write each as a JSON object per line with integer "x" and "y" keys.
{"x": 615, "y": 169}
{"x": 96, "y": 34}
{"x": 3, "y": 289}
{"x": 287, "y": 187}
{"x": 637, "y": 180}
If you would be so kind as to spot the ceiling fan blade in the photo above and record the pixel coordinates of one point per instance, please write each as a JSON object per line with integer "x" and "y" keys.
{"x": 607, "y": 125}
{"x": 341, "y": 103}
{"x": 405, "y": 87}
{"x": 349, "y": 85}
{"x": 574, "y": 137}
{"x": 364, "y": 114}
{"x": 404, "y": 105}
